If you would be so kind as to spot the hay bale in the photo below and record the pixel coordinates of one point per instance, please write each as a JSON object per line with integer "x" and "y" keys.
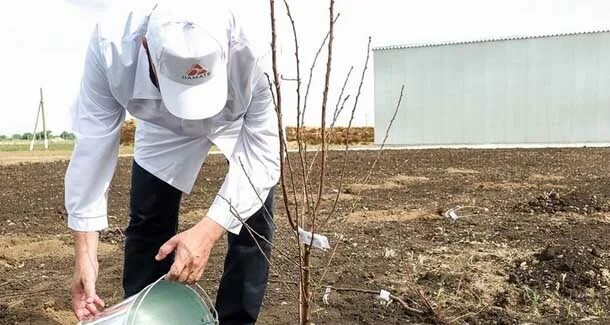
{"x": 336, "y": 135}
{"x": 128, "y": 132}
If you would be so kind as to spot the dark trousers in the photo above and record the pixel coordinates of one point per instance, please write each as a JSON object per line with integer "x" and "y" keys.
{"x": 154, "y": 220}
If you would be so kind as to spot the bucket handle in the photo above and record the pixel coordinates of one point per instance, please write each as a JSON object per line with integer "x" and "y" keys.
{"x": 200, "y": 292}
{"x": 144, "y": 294}
{"x": 195, "y": 287}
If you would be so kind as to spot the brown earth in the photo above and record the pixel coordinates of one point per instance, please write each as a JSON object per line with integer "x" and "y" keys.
{"x": 540, "y": 254}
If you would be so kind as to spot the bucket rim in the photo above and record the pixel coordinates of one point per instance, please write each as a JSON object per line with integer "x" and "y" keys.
{"x": 196, "y": 288}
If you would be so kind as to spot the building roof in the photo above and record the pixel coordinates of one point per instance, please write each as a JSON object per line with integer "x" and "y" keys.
{"x": 507, "y": 38}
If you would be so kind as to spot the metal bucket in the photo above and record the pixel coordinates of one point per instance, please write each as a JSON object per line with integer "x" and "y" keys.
{"x": 163, "y": 302}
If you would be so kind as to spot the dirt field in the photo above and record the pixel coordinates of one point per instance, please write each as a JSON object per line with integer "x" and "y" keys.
{"x": 539, "y": 255}
{"x": 39, "y": 155}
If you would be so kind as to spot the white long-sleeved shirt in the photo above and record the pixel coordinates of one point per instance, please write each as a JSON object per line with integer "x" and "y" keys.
{"x": 116, "y": 80}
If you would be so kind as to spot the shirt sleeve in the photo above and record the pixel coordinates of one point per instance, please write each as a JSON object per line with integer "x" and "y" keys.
{"x": 254, "y": 166}
{"x": 96, "y": 120}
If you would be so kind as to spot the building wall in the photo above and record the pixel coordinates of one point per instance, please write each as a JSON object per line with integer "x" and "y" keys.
{"x": 553, "y": 90}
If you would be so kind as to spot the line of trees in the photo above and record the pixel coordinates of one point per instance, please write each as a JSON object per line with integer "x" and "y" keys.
{"x": 28, "y": 136}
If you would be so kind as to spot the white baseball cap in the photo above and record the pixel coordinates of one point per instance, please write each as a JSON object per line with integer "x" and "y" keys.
{"x": 191, "y": 64}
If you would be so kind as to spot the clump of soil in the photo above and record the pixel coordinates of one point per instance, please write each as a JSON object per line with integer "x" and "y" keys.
{"x": 3, "y": 310}
{"x": 566, "y": 270}
{"x": 553, "y": 202}
{"x": 492, "y": 316}
{"x": 112, "y": 236}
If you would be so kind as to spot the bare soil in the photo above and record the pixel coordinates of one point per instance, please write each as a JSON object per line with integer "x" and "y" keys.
{"x": 539, "y": 255}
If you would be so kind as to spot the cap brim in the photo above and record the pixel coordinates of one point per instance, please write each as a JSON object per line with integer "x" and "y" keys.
{"x": 195, "y": 102}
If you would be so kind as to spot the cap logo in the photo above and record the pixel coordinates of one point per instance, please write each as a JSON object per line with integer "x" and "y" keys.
{"x": 196, "y": 72}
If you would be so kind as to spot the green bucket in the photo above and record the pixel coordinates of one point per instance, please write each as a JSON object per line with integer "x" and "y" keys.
{"x": 163, "y": 302}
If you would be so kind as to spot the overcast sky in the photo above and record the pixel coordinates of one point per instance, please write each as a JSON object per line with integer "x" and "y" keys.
{"x": 43, "y": 41}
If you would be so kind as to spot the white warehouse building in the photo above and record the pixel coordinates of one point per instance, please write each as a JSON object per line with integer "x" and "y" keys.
{"x": 526, "y": 91}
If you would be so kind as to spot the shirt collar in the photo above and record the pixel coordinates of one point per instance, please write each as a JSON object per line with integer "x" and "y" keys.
{"x": 143, "y": 88}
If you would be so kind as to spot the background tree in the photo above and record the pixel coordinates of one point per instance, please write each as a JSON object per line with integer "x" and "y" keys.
{"x": 67, "y": 135}
{"x": 27, "y": 136}
{"x": 40, "y": 135}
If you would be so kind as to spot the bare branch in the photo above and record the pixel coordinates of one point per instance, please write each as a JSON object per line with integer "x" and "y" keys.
{"x": 268, "y": 213}
{"x": 305, "y": 284}
{"x": 297, "y": 58}
{"x": 357, "y": 200}
{"x": 305, "y": 192}
{"x": 338, "y": 110}
{"x": 278, "y": 108}
{"x": 346, "y": 153}
{"x": 410, "y": 310}
{"x": 437, "y": 317}
{"x": 283, "y": 140}
{"x": 471, "y": 314}
{"x": 290, "y": 79}
{"x": 385, "y": 138}
{"x": 252, "y": 232}
{"x": 271, "y": 89}
{"x": 311, "y": 70}
{"x": 305, "y": 100}
{"x": 329, "y": 60}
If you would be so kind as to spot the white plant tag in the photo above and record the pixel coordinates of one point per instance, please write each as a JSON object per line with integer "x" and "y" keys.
{"x": 326, "y": 296}
{"x": 319, "y": 241}
{"x": 452, "y": 215}
{"x": 384, "y": 295}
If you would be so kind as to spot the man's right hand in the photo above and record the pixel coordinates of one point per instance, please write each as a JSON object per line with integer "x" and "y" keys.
{"x": 85, "y": 301}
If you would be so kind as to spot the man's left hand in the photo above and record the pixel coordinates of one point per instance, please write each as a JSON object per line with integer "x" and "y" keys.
{"x": 192, "y": 249}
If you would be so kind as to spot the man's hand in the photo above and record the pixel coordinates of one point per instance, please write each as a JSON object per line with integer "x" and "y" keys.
{"x": 192, "y": 249}
{"x": 85, "y": 302}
